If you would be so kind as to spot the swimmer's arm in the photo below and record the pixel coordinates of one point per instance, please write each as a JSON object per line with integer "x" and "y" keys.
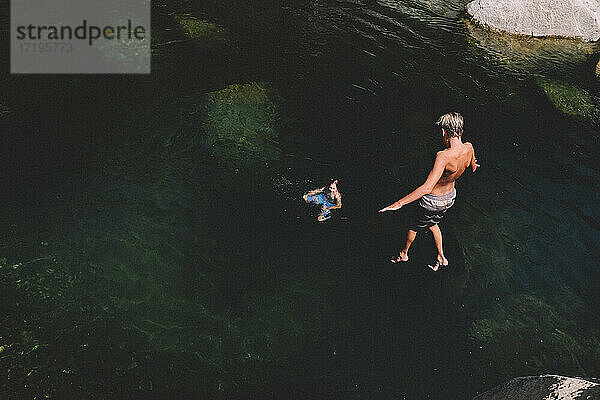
{"x": 338, "y": 204}
{"x": 426, "y": 188}
{"x": 316, "y": 191}
{"x": 474, "y": 164}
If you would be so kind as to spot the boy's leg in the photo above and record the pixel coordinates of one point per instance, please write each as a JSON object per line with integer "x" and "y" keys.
{"x": 410, "y": 237}
{"x": 437, "y": 237}
{"x": 324, "y": 215}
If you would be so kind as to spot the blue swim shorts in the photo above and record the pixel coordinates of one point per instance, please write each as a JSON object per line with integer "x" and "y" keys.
{"x": 319, "y": 199}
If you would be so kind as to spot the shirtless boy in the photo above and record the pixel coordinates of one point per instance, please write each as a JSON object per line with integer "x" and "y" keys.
{"x": 438, "y": 193}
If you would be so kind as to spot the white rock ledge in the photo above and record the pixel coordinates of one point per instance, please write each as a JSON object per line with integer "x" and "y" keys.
{"x": 566, "y": 18}
{"x": 544, "y": 387}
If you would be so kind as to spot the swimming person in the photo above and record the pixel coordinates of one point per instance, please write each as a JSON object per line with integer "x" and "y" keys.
{"x": 329, "y": 198}
{"x": 438, "y": 193}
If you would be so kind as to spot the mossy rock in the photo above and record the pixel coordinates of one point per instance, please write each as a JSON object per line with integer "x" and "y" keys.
{"x": 203, "y": 32}
{"x": 242, "y": 125}
{"x": 132, "y": 56}
{"x": 569, "y": 99}
{"x": 238, "y": 126}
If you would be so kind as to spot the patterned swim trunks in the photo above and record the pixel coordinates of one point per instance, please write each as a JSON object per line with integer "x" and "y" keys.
{"x": 431, "y": 210}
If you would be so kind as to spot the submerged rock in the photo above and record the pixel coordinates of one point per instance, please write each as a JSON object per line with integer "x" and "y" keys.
{"x": 569, "y": 99}
{"x": 531, "y": 55}
{"x": 203, "y": 32}
{"x": 132, "y": 56}
{"x": 531, "y": 333}
{"x": 570, "y": 18}
{"x": 241, "y": 125}
{"x": 544, "y": 387}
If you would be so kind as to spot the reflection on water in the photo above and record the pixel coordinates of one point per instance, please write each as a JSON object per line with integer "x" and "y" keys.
{"x": 177, "y": 256}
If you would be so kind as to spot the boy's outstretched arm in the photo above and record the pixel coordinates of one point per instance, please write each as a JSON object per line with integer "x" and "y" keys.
{"x": 426, "y": 188}
{"x": 474, "y": 164}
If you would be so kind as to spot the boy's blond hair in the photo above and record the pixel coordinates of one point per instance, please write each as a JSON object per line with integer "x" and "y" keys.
{"x": 452, "y": 123}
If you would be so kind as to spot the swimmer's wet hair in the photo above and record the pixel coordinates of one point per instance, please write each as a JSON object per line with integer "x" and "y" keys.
{"x": 337, "y": 184}
{"x": 452, "y": 123}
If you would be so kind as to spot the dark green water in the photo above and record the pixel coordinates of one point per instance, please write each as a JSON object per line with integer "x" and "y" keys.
{"x": 137, "y": 264}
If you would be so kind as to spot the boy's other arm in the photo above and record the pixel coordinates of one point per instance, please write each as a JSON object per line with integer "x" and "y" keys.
{"x": 474, "y": 164}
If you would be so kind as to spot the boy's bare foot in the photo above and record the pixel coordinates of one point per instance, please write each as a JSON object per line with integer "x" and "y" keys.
{"x": 440, "y": 262}
{"x": 402, "y": 257}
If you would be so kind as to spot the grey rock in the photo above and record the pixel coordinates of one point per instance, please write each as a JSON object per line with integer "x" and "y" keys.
{"x": 567, "y": 18}
{"x": 545, "y": 387}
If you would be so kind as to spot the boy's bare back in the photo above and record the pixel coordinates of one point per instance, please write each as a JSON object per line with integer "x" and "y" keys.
{"x": 455, "y": 162}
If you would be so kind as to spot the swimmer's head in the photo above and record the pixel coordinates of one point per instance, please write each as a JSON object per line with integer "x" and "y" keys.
{"x": 451, "y": 124}
{"x": 334, "y": 186}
